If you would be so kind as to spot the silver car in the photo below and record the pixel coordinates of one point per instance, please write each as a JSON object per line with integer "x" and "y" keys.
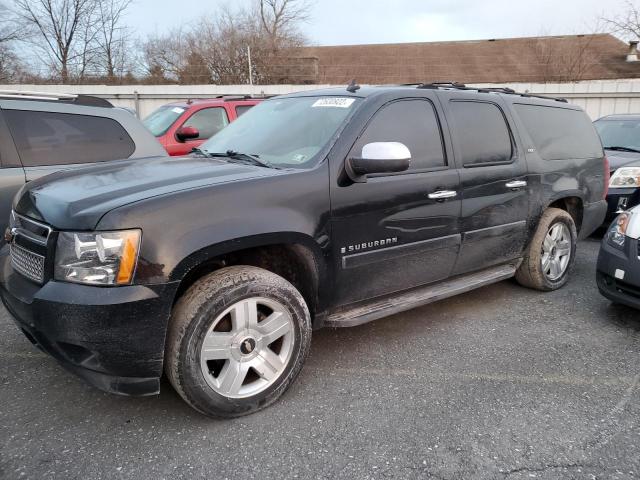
{"x": 41, "y": 133}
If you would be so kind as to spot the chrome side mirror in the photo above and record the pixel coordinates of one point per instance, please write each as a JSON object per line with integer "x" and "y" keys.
{"x": 379, "y": 157}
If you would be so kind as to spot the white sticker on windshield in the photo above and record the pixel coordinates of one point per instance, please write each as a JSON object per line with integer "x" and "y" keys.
{"x": 177, "y": 110}
{"x": 339, "y": 102}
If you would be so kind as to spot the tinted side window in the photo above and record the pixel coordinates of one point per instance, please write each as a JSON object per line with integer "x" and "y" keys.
{"x": 559, "y": 133}
{"x": 242, "y": 109}
{"x": 412, "y": 122}
{"x": 482, "y": 133}
{"x": 8, "y": 154}
{"x": 208, "y": 121}
{"x": 49, "y": 138}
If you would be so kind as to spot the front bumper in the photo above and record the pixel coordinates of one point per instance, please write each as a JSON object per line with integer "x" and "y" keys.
{"x": 618, "y": 273}
{"x": 111, "y": 337}
{"x": 620, "y": 199}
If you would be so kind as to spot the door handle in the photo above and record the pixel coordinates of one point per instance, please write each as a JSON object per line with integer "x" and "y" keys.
{"x": 442, "y": 194}
{"x": 515, "y": 184}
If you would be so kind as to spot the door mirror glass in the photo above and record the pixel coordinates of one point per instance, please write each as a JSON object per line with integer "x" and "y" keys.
{"x": 187, "y": 133}
{"x": 379, "y": 157}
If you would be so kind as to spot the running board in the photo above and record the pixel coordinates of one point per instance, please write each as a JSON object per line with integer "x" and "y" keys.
{"x": 383, "y": 307}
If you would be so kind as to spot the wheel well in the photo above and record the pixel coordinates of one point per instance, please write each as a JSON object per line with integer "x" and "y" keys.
{"x": 573, "y": 206}
{"x": 294, "y": 262}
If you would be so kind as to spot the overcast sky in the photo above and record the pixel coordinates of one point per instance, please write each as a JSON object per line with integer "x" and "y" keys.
{"x": 335, "y": 22}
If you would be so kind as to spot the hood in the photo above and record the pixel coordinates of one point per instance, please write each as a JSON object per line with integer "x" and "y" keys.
{"x": 620, "y": 159}
{"x": 77, "y": 199}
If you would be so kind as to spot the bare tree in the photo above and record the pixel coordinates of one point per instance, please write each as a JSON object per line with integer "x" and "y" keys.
{"x": 222, "y": 44}
{"x": 112, "y": 36}
{"x": 281, "y": 20}
{"x": 627, "y": 24}
{"x": 9, "y": 28}
{"x": 8, "y": 35}
{"x": 64, "y": 28}
{"x": 562, "y": 59}
{"x": 165, "y": 56}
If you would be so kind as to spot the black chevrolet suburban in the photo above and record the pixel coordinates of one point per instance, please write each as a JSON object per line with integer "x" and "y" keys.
{"x": 326, "y": 208}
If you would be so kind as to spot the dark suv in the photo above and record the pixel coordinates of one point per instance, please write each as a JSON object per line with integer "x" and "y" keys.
{"x": 41, "y": 133}
{"x": 327, "y": 208}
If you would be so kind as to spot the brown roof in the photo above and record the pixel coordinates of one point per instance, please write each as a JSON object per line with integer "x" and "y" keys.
{"x": 535, "y": 59}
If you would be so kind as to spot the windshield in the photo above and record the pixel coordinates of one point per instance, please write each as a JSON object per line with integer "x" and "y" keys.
{"x": 284, "y": 132}
{"x": 619, "y": 133}
{"x": 161, "y": 119}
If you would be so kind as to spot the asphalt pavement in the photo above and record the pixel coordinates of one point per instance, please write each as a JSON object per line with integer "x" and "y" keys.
{"x": 499, "y": 383}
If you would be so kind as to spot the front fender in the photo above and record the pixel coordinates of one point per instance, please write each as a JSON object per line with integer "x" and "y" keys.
{"x": 209, "y": 252}
{"x": 192, "y": 226}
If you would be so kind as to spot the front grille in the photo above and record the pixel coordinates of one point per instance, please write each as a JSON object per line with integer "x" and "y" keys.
{"x": 29, "y": 264}
{"x": 29, "y": 247}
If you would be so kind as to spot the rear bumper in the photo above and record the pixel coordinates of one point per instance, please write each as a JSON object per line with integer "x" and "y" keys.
{"x": 592, "y": 218}
{"x": 618, "y": 273}
{"x": 113, "y": 338}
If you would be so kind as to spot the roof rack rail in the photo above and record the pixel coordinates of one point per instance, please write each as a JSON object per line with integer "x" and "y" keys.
{"x": 462, "y": 86}
{"x": 235, "y": 96}
{"x": 508, "y": 90}
{"x": 453, "y": 84}
{"x": 85, "y": 100}
{"x": 31, "y": 95}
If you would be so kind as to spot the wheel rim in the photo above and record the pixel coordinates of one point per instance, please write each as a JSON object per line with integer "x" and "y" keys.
{"x": 556, "y": 251}
{"x": 247, "y": 347}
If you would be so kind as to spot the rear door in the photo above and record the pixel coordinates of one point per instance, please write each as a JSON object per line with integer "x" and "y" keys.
{"x": 494, "y": 180}
{"x": 12, "y": 175}
{"x": 50, "y": 141}
{"x": 397, "y": 231}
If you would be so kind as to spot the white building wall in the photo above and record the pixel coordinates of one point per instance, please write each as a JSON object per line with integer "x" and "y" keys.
{"x": 598, "y": 98}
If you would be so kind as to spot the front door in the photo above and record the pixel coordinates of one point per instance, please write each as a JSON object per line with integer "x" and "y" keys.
{"x": 208, "y": 122}
{"x": 398, "y": 231}
{"x": 493, "y": 177}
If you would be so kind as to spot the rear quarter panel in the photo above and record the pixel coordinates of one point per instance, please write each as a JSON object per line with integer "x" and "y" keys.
{"x": 552, "y": 180}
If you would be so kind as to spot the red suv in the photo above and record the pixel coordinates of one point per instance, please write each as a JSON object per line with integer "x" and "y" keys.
{"x": 182, "y": 126}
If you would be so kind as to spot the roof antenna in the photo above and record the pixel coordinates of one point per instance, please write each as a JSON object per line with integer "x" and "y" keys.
{"x": 353, "y": 86}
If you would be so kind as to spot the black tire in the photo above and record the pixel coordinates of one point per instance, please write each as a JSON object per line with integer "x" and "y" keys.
{"x": 530, "y": 273}
{"x": 192, "y": 317}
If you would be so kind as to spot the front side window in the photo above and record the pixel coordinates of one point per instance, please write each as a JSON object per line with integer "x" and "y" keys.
{"x": 285, "y": 132}
{"x": 160, "y": 120}
{"x": 560, "y": 133}
{"x": 481, "y": 132}
{"x": 411, "y": 122}
{"x": 621, "y": 134}
{"x": 208, "y": 121}
{"x": 50, "y": 138}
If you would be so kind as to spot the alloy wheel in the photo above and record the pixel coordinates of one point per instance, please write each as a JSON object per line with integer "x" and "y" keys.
{"x": 247, "y": 347}
{"x": 556, "y": 251}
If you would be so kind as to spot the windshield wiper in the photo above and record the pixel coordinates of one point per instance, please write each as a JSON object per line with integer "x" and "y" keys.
{"x": 199, "y": 151}
{"x": 622, "y": 149}
{"x": 242, "y": 157}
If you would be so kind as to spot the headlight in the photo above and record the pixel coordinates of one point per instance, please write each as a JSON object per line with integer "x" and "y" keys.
{"x": 625, "y": 177}
{"x": 97, "y": 258}
{"x": 618, "y": 229}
